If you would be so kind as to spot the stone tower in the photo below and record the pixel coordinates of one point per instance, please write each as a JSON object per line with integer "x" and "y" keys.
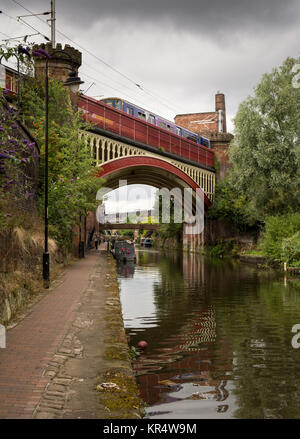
{"x": 60, "y": 64}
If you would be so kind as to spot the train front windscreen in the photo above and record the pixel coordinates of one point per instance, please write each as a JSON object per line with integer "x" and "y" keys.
{"x": 116, "y": 103}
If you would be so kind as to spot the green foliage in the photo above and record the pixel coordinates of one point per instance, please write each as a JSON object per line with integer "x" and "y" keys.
{"x": 171, "y": 230}
{"x": 26, "y": 65}
{"x": 280, "y": 238}
{"x": 16, "y": 155}
{"x": 128, "y": 233}
{"x": 134, "y": 353}
{"x": 73, "y": 181}
{"x": 265, "y": 152}
{"x": 232, "y": 207}
{"x": 224, "y": 248}
{"x": 291, "y": 250}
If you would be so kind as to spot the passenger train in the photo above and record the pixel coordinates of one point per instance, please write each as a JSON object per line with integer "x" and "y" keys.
{"x": 141, "y": 113}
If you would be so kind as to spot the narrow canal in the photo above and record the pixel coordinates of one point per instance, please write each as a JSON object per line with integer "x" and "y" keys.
{"x": 219, "y": 337}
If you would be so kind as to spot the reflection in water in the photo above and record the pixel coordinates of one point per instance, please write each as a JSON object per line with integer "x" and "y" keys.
{"x": 219, "y": 337}
{"x": 125, "y": 269}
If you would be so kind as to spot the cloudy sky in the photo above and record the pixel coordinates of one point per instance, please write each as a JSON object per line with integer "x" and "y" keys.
{"x": 179, "y": 52}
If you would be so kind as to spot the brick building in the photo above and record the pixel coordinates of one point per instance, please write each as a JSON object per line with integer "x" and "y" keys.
{"x": 213, "y": 125}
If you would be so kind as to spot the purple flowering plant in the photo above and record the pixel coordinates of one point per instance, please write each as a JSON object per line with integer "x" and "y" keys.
{"x": 15, "y": 181}
{"x": 73, "y": 177}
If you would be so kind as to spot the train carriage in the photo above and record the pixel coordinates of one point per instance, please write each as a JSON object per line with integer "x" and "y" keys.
{"x": 154, "y": 119}
{"x": 136, "y": 123}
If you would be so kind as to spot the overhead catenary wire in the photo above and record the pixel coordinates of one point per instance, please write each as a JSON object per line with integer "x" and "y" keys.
{"x": 139, "y": 86}
{"x": 31, "y": 27}
{"x": 135, "y": 83}
{"x": 22, "y": 37}
{"x": 23, "y": 23}
{"x": 97, "y": 81}
{"x": 116, "y": 82}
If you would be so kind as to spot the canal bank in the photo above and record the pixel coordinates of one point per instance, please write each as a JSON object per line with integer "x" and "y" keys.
{"x": 69, "y": 357}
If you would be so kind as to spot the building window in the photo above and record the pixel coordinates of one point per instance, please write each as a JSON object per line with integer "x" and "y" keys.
{"x": 2, "y": 76}
{"x": 11, "y": 83}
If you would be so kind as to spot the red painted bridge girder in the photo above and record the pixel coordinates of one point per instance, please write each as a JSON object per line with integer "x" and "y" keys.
{"x": 108, "y": 169}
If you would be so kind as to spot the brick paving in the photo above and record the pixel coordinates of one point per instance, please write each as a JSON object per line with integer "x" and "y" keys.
{"x": 31, "y": 344}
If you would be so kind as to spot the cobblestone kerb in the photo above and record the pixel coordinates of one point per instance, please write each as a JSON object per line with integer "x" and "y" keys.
{"x": 90, "y": 374}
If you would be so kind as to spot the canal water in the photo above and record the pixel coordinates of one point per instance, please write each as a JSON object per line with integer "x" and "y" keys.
{"x": 219, "y": 337}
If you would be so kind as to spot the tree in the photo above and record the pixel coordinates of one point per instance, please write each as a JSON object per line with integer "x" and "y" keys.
{"x": 265, "y": 152}
{"x": 73, "y": 180}
{"x": 232, "y": 206}
{"x": 16, "y": 156}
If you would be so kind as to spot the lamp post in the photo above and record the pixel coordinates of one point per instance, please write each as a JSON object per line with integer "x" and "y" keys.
{"x": 72, "y": 80}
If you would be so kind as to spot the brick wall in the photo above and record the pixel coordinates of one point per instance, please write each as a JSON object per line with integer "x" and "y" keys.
{"x": 200, "y": 123}
{"x": 207, "y": 124}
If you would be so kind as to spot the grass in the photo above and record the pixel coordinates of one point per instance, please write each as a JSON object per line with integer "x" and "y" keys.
{"x": 124, "y": 400}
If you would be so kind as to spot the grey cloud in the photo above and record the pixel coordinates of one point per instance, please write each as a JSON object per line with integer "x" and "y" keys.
{"x": 187, "y": 57}
{"x": 214, "y": 17}
{"x": 220, "y": 12}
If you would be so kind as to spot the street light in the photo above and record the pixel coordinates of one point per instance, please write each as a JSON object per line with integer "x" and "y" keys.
{"x": 72, "y": 81}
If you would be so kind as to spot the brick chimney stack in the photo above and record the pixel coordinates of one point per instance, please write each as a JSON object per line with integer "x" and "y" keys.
{"x": 221, "y": 111}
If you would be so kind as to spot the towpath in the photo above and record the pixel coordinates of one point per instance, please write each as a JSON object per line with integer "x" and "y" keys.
{"x": 71, "y": 340}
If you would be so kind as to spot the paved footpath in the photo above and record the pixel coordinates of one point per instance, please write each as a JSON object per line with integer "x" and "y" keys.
{"x": 54, "y": 355}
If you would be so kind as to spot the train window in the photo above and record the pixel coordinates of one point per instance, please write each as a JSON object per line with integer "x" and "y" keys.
{"x": 130, "y": 111}
{"x": 141, "y": 115}
{"x": 189, "y": 136}
{"x": 169, "y": 128}
{"x": 205, "y": 142}
{"x": 178, "y": 131}
{"x": 116, "y": 103}
{"x": 151, "y": 119}
{"x": 162, "y": 124}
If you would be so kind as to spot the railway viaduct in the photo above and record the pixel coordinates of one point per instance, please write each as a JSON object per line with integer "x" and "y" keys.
{"x": 127, "y": 148}
{"x": 139, "y": 162}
